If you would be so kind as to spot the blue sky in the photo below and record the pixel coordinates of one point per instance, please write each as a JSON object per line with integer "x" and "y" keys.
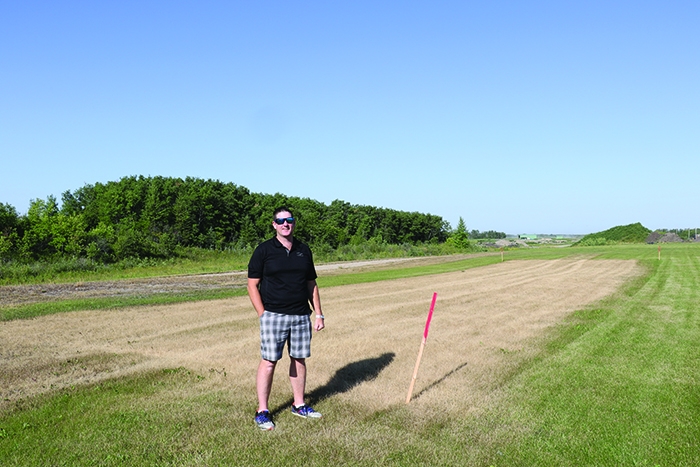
{"x": 521, "y": 117}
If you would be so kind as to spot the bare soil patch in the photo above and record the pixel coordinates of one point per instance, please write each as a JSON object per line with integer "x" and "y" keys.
{"x": 486, "y": 320}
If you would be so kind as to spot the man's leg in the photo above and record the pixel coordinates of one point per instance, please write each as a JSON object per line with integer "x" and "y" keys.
{"x": 297, "y": 377}
{"x": 266, "y": 370}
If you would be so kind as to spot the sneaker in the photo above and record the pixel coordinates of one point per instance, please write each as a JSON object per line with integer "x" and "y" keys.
{"x": 264, "y": 420}
{"x": 305, "y": 411}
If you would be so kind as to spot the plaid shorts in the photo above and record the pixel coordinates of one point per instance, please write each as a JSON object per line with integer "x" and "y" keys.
{"x": 277, "y": 329}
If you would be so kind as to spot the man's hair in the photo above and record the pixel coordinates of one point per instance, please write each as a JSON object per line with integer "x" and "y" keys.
{"x": 279, "y": 210}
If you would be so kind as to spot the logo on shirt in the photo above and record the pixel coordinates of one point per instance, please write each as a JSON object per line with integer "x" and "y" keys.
{"x": 300, "y": 254}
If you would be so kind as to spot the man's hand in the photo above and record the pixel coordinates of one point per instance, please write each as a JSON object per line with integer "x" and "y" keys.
{"x": 319, "y": 324}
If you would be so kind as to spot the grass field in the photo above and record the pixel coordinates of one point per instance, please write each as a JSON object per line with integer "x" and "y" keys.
{"x": 611, "y": 383}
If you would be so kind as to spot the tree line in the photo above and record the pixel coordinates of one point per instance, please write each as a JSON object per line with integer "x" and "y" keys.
{"x": 490, "y": 234}
{"x": 141, "y": 217}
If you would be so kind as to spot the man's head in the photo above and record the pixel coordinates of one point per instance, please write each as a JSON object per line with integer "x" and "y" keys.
{"x": 280, "y": 210}
{"x": 283, "y": 222}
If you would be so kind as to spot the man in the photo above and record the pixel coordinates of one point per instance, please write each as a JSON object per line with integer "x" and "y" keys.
{"x": 281, "y": 283}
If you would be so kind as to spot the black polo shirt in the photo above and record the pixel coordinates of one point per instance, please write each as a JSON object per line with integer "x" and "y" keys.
{"x": 284, "y": 276}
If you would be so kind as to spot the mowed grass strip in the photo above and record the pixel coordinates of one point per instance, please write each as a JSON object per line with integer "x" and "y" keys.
{"x": 615, "y": 384}
{"x": 626, "y": 391}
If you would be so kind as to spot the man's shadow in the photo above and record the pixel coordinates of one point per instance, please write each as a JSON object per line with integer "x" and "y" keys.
{"x": 345, "y": 379}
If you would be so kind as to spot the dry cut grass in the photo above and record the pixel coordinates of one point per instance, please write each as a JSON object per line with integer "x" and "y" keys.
{"x": 486, "y": 320}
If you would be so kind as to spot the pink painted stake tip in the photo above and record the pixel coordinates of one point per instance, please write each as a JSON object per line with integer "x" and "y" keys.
{"x": 430, "y": 316}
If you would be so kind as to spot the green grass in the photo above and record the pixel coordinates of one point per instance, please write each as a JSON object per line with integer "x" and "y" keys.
{"x": 616, "y": 384}
{"x": 190, "y": 261}
{"x": 400, "y": 272}
{"x": 619, "y": 383}
{"x": 109, "y": 303}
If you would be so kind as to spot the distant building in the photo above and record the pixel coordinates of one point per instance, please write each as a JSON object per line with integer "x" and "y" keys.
{"x": 527, "y": 237}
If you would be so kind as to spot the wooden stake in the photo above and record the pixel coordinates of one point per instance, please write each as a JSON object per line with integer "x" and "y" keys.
{"x": 422, "y": 346}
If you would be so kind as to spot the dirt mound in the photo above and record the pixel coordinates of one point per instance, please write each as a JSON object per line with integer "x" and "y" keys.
{"x": 661, "y": 237}
{"x": 654, "y": 237}
{"x": 503, "y": 243}
{"x": 670, "y": 238}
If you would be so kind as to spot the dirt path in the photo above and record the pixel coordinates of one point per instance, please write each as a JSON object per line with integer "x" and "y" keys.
{"x": 485, "y": 320}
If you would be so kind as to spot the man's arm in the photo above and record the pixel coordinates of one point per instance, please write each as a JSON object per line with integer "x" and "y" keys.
{"x": 255, "y": 298}
{"x": 316, "y": 304}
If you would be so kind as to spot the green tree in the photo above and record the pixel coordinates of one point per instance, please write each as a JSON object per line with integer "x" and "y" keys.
{"x": 460, "y": 237}
{"x": 36, "y": 241}
{"x": 9, "y": 231}
{"x": 150, "y": 216}
{"x": 100, "y": 243}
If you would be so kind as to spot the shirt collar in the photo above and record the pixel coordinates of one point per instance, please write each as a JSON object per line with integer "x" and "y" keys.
{"x": 278, "y": 244}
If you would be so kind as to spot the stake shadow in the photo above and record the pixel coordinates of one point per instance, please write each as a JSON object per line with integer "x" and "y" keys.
{"x": 438, "y": 381}
{"x": 345, "y": 379}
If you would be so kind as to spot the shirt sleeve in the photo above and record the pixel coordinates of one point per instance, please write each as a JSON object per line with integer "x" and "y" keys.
{"x": 255, "y": 265}
{"x": 311, "y": 273}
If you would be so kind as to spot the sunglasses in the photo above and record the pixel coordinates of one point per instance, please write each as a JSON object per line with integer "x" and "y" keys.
{"x": 281, "y": 220}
